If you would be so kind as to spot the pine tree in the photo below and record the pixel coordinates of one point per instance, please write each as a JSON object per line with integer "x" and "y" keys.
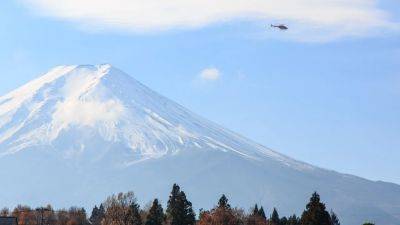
{"x": 275, "y": 217}
{"x": 94, "y": 217}
{"x": 97, "y": 215}
{"x": 190, "y": 216}
{"x": 101, "y": 210}
{"x": 132, "y": 216}
{"x": 256, "y": 211}
{"x": 334, "y": 219}
{"x": 261, "y": 213}
{"x": 315, "y": 213}
{"x": 283, "y": 221}
{"x": 223, "y": 214}
{"x": 223, "y": 202}
{"x": 156, "y": 214}
{"x": 293, "y": 220}
{"x": 179, "y": 209}
{"x": 174, "y": 207}
{"x": 256, "y": 216}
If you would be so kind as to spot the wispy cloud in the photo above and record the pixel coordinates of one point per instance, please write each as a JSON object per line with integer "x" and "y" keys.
{"x": 210, "y": 74}
{"x": 327, "y": 19}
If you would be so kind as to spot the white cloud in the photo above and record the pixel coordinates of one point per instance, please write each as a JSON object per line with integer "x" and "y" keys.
{"x": 307, "y": 18}
{"x": 83, "y": 105}
{"x": 87, "y": 113}
{"x": 210, "y": 74}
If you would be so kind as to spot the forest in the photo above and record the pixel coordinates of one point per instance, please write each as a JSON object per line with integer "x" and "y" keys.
{"x": 123, "y": 209}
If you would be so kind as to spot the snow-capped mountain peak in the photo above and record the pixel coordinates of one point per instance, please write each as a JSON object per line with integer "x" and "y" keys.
{"x": 86, "y": 132}
{"x": 114, "y": 111}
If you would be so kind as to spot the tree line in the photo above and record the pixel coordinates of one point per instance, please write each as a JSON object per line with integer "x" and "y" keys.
{"x": 123, "y": 209}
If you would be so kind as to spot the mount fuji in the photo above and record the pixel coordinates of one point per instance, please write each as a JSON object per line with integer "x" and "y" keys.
{"x": 80, "y": 133}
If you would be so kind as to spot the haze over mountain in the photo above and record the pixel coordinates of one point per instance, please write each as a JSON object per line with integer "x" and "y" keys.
{"x": 80, "y": 133}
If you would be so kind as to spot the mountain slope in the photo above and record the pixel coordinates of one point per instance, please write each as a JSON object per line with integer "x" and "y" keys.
{"x": 79, "y": 133}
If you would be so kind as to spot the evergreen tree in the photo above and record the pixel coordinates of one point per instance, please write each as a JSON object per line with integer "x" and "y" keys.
{"x": 132, "y": 216}
{"x": 315, "y": 213}
{"x": 97, "y": 215}
{"x": 174, "y": 207}
{"x": 275, "y": 217}
{"x": 334, "y": 219}
{"x": 101, "y": 211}
{"x": 223, "y": 214}
{"x": 179, "y": 209}
{"x": 94, "y": 217}
{"x": 156, "y": 214}
{"x": 255, "y": 210}
{"x": 223, "y": 202}
{"x": 293, "y": 220}
{"x": 283, "y": 221}
{"x": 262, "y": 213}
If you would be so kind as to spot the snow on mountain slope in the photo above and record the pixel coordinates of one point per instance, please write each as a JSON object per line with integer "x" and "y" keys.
{"x": 87, "y": 131}
{"x": 117, "y": 108}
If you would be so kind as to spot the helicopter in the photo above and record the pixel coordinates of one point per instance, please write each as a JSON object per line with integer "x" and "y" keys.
{"x": 280, "y": 26}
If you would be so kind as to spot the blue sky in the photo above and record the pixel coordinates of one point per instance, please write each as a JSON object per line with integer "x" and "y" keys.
{"x": 325, "y": 92}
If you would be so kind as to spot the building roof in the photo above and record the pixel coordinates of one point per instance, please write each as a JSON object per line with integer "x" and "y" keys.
{"x": 8, "y": 221}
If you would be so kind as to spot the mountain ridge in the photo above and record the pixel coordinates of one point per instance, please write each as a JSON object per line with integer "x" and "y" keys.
{"x": 94, "y": 130}
{"x": 87, "y": 84}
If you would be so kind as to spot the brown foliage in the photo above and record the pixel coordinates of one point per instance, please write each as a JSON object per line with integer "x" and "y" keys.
{"x": 256, "y": 220}
{"x": 222, "y": 216}
{"x": 47, "y": 216}
{"x": 118, "y": 209}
